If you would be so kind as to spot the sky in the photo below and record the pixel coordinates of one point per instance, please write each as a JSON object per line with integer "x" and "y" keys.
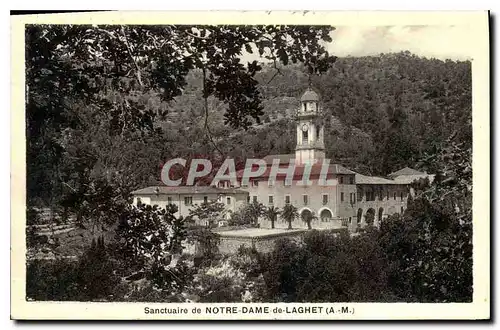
{"x": 442, "y": 42}
{"x": 431, "y": 41}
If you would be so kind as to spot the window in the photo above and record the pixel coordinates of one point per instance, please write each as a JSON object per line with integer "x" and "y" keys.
{"x": 341, "y": 196}
{"x": 205, "y": 199}
{"x": 228, "y": 200}
{"x": 370, "y": 196}
{"x": 305, "y": 137}
{"x": 255, "y": 199}
{"x": 271, "y": 182}
{"x": 255, "y": 183}
{"x": 352, "y": 198}
{"x": 360, "y": 195}
{"x": 341, "y": 180}
{"x": 325, "y": 199}
{"x": 317, "y": 132}
{"x": 350, "y": 219}
{"x": 139, "y": 201}
{"x": 306, "y": 199}
{"x": 401, "y": 195}
{"x": 304, "y": 106}
{"x": 248, "y": 199}
{"x": 271, "y": 199}
{"x": 287, "y": 199}
{"x": 188, "y": 200}
{"x": 169, "y": 200}
{"x": 394, "y": 196}
{"x": 402, "y": 210}
{"x": 351, "y": 180}
{"x": 388, "y": 194}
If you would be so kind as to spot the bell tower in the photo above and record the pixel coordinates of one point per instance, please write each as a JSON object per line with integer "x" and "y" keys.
{"x": 310, "y": 129}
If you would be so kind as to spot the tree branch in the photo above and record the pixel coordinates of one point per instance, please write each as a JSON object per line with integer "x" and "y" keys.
{"x": 278, "y": 71}
{"x": 195, "y": 36}
{"x": 207, "y": 128}
{"x": 138, "y": 70}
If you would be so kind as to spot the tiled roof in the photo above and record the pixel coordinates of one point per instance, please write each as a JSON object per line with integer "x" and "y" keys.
{"x": 299, "y": 171}
{"x": 407, "y": 179}
{"x": 405, "y": 171}
{"x": 363, "y": 179}
{"x": 167, "y": 190}
{"x": 284, "y": 158}
{"x": 309, "y": 95}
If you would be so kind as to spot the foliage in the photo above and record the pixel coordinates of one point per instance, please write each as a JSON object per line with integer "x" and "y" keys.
{"x": 271, "y": 214}
{"x": 91, "y": 278}
{"x": 105, "y": 105}
{"x": 289, "y": 214}
{"x": 430, "y": 247}
{"x": 381, "y": 113}
{"x": 370, "y": 217}
{"x": 308, "y": 218}
{"x": 210, "y": 212}
{"x": 96, "y": 278}
{"x": 52, "y": 280}
{"x": 206, "y": 244}
{"x": 150, "y": 241}
{"x": 95, "y": 89}
{"x": 248, "y": 214}
{"x": 233, "y": 278}
{"x": 327, "y": 267}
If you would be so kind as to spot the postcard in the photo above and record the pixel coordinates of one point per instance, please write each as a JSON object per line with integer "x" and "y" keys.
{"x": 213, "y": 165}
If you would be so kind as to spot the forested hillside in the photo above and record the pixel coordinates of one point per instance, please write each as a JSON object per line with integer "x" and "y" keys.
{"x": 382, "y": 112}
{"x": 107, "y": 105}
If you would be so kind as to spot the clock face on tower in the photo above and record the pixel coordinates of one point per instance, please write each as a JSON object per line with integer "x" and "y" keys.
{"x": 305, "y": 128}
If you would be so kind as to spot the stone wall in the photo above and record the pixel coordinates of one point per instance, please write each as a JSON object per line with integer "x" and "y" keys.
{"x": 231, "y": 244}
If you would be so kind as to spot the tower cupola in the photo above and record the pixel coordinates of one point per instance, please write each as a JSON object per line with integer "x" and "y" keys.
{"x": 310, "y": 130}
{"x": 309, "y": 103}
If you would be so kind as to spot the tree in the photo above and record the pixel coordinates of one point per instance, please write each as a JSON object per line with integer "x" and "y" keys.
{"x": 370, "y": 217}
{"x": 150, "y": 240}
{"x": 308, "y": 218}
{"x": 272, "y": 214}
{"x": 206, "y": 245}
{"x": 97, "y": 100}
{"x": 289, "y": 214}
{"x": 95, "y": 277}
{"x": 209, "y": 213}
{"x": 327, "y": 267}
{"x": 432, "y": 243}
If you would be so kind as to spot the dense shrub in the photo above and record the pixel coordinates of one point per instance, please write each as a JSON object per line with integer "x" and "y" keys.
{"x": 91, "y": 277}
{"x": 327, "y": 267}
{"x": 52, "y": 280}
{"x": 430, "y": 254}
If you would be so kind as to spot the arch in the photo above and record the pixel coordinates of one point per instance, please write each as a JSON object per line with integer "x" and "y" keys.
{"x": 307, "y": 216}
{"x": 359, "y": 215}
{"x": 370, "y": 216}
{"x": 325, "y": 214}
{"x": 305, "y": 211}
